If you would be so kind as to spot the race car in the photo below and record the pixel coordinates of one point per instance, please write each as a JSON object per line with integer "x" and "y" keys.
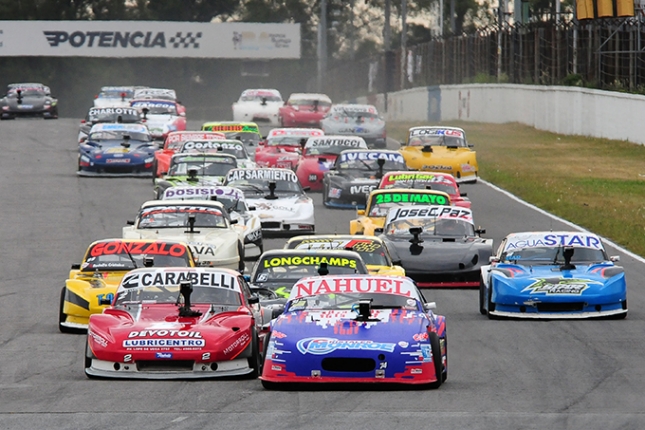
{"x": 259, "y": 106}
{"x": 553, "y": 275}
{"x": 146, "y": 93}
{"x": 371, "y": 218}
{"x": 355, "y": 174}
{"x": 234, "y": 202}
{"x": 319, "y": 155}
{"x": 278, "y": 198}
{"x": 195, "y": 169}
{"x": 173, "y": 143}
{"x": 204, "y": 225}
{"x": 246, "y": 132}
{"x": 115, "y": 96}
{"x": 103, "y": 266}
{"x": 225, "y": 146}
{"x": 438, "y": 246}
{"x": 116, "y": 150}
{"x": 177, "y": 323}
{"x": 441, "y": 149}
{"x": 28, "y": 100}
{"x": 278, "y": 270}
{"x": 304, "y": 110}
{"x": 356, "y": 329}
{"x": 283, "y": 147}
{"x": 356, "y": 120}
{"x": 161, "y": 116}
{"x": 120, "y": 115}
{"x": 426, "y": 181}
{"x": 371, "y": 249}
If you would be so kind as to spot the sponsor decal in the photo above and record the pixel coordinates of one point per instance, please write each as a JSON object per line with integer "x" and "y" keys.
{"x": 97, "y": 338}
{"x": 148, "y": 104}
{"x": 403, "y": 344}
{"x": 134, "y": 343}
{"x": 554, "y": 240}
{"x": 202, "y": 248}
{"x": 278, "y": 334}
{"x": 262, "y": 174}
{"x": 372, "y": 155}
{"x": 117, "y": 160}
{"x": 206, "y": 356}
{"x": 239, "y": 342}
{"x": 323, "y": 345}
{"x": 424, "y": 198}
{"x": 232, "y": 128}
{"x": 334, "y": 193}
{"x": 163, "y": 355}
{"x": 437, "y": 167}
{"x": 276, "y": 368}
{"x": 358, "y": 245}
{"x": 185, "y": 137}
{"x": 308, "y": 261}
{"x": 559, "y": 286}
{"x": 197, "y": 279}
{"x": 205, "y": 192}
{"x": 138, "y": 248}
{"x": 467, "y": 168}
{"x": 135, "y": 128}
{"x": 426, "y": 353}
{"x": 435, "y": 132}
{"x": 189, "y": 146}
{"x": 361, "y": 189}
{"x": 127, "y": 358}
{"x": 432, "y": 212}
{"x": 114, "y": 39}
{"x": 163, "y": 333}
{"x": 299, "y": 132}
{"x": 421, "y": 337}
{"x": 416, "y": 371}
{"x": 314, "y": 287}
{"x": 113, "y": 111}
{"x": 335, "y": 141}
{"x": 353, "y": 108}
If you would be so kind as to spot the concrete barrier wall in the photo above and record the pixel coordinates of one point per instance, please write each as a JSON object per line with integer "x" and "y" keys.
{"x": 564, "y": 110}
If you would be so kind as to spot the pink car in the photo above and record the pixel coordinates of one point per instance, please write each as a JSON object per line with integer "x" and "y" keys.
{"x": 426, "y": 180}
{"x": 304, "y": 110}
{"x": 283, "y": 146}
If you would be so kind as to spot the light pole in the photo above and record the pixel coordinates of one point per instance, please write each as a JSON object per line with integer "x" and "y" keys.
{"x": 404, "y": 40}
{"x": 322, "y": 45}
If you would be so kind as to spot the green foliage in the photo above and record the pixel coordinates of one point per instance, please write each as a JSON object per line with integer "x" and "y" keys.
{"x": 573, "y": 80}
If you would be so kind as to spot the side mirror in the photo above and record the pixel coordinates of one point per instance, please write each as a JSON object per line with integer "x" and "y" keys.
{"x": 396, "y": 262}
{"x": 493, "y": 259}
{"x": 76, "y": 266}
{"x": 234, "y": 221}
{"x": 463, "y": 194}
{"x": 480, "y": 231}
{"x": 429, "y": 306}
{"x": 129, "y": 222}
{"x": 254, "y": 300}
{"x": 378, "y": 231}
{"x": 470, "y": 145}
{"x": 247, "y": 278}
{"x": 261, "y": 143}
{"x": 614, "y": 258}
{"x": 360, "y": 212}
{"x": 305, "y": 189}
{"x": 252, "y": 208}
{"x": 83, "y": 121}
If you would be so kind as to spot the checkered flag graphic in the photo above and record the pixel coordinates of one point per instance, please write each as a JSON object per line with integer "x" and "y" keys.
{"x": 179, "y": 40}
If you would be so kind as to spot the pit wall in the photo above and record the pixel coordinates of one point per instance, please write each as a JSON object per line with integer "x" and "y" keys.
{"x": 563, "y": 110}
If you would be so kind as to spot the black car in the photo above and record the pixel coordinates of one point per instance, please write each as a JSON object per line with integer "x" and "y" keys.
{"x": 28, "y": 100}
{"x": 438, "y": 246}
{"x": 120, "y": 115}
{"x": 355, "y": 174}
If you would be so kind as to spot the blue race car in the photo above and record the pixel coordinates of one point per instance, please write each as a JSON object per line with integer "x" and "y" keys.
{"x": 356, "y": 329}
{"x": 117, "y": 150}
{"x": 552, "y": 275}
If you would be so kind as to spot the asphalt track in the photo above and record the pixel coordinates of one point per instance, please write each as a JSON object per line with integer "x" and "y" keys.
{"x": 502, "y": 374}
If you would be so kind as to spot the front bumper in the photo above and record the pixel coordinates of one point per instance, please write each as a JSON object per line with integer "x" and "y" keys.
{"x": 110, "y": 369}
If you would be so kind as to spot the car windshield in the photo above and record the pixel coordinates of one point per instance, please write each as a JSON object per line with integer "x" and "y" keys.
{"x": 344, "y": 301}
{"x": 178, "y": 216}
{"x": 122, "y": 117}
{"x": 204, "y": 167}
{"x": 358, "y": 115}
{"x": 116, "y": 94}
{"x": 310, "y": 103}
{"x": 438, "y": 140}
{"x": 244, "y": 137}
{"x": 371, "y": 165}
{"x": 27, "y": 93}
{"x": 157, "y": 108}
{"x": 118, "y": 135}
{"x": 431, "y": 227}
{"x": 252, "y": 187}
{"x": 553, "y": 255}
{"x": 259, "y": 97}
{"x": 286, "y": 141}
{"x": 170, "y": 294}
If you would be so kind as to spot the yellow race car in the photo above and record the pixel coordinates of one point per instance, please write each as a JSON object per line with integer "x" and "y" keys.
{"x": 372, "y": 249}
{"x": 92, "y": 284}
{"x": 246, "y": 132}
{"x": 380, "y": 201}
{"x": 441, "y": 149}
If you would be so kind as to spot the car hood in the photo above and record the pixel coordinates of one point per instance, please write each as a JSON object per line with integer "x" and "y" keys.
{"x": 440, "y": 254}
{"x": 282, "y": 208}
{"x": 313, "y": 163}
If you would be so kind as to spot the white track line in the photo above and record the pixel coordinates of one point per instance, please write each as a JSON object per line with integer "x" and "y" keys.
{"x": 569, "y": 223}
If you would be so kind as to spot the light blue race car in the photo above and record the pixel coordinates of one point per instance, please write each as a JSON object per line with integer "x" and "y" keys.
{"x": 552, "y": 275}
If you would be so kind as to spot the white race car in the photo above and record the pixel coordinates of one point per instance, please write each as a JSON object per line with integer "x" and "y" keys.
{"x": 259, "y": 106}
{"x": 234, "y": 202}
{"x": 115, "y": 96}
{"x": 204, "y": 225}
{"x": 219, "y": 146}
{"x": 155, "y": 93}
{"x": 161, "y": 116}
{"x": 279, "y": 200}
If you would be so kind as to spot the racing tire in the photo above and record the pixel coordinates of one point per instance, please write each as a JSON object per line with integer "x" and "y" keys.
{"x": 435, "y": 346}
{"x": 62, "y": 317}
{"x": 255, "y": 360}
{"x": 154, "y": 172}
{"x": 491, "y": 305}
{"x": 444, "y": 375}
{"x": 482, "y": 293}
{"x": 87, "y": 360}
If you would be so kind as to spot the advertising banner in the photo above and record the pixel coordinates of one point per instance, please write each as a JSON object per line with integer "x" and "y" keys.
{"x": 149, "y": 39}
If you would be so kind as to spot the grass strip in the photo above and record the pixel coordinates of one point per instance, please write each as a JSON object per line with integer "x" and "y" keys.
{"x": 598, "y": 184}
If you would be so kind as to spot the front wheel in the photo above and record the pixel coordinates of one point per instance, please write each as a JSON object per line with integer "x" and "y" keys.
{"x": 491, "y": 305}
{"x": 435, "y": 347}
{"x": 482, "y": 294}
{"x": 62, "y": 317}
{"x": 87, "y": 362}
{"x": 255, "y": 361}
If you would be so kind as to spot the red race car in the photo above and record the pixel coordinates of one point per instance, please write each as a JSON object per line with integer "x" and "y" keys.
{"x": 304, "y": 110}
{"x": 177, "y": 323}
{"x": 426, "y": 180}
{"x": 283, "y": 146}
{"x": 173, "y": 143}
{"x": 319, "y": 155}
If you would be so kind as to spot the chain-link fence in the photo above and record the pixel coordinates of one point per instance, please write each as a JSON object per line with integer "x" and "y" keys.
{"x": 605, "y": 54}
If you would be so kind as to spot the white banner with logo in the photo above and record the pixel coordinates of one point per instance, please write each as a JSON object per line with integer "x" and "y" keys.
{"x": 149, "y": 39}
